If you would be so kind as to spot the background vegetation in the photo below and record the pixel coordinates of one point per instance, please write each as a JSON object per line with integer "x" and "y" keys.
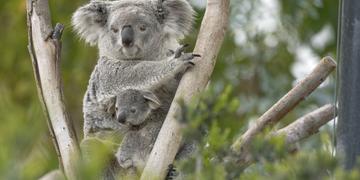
{"x": 270, "y": 44}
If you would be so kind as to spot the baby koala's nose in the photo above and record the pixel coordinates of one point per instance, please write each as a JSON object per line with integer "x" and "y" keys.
{"x": 127, "y": 36}
{"x": 121, "y": 118}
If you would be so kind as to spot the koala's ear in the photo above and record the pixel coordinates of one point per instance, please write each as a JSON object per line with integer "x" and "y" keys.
{"x": 90, "y": 20}
{"x": 151, "y": 99}
{"x": 177, "y": 17}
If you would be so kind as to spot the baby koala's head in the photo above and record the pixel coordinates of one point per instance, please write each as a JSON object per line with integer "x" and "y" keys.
{"x": 133, "y": 107}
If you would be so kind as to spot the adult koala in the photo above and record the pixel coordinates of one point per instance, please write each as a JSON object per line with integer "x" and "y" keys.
{"x": 134, "y": 38}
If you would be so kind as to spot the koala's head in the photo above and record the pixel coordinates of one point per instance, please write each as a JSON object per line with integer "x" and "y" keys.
{"x": 133, "y": 29}
{"x": 132, "y": 107}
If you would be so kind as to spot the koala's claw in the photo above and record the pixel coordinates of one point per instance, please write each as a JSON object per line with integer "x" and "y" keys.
{"x": 188, "y": 58}
{"x": 172, "y": 173}
{"x": 170, "y": 53}
{"x": 178, "y": 52}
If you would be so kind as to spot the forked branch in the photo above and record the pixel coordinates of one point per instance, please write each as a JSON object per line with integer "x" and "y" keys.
{"x": 284, "y": 105}
{"x": 45, "y": 48}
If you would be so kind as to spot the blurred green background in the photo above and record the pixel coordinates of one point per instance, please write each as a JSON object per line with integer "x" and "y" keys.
{"x": 270, "y": 44}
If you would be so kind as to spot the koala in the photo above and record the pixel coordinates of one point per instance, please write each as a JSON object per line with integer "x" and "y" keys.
{"x": 134, "y": 38}
{"x": 133, "y": 107}
{"x": 143, "y": 113}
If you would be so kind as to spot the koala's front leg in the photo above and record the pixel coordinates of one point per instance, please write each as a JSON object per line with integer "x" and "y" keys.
{"x": 152, "y": 74}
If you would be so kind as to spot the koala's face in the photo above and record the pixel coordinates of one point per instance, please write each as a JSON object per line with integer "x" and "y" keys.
{"x": 133, "y": 29}
{"x": 131, "y": 34}
{"x": 133, "y": 107}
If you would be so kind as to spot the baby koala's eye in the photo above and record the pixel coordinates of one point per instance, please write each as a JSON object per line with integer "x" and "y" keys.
{"x": 133, "y": 110}
{"x": 116, "y": 108}
{"x": 142, "y": 28}
{"x": 114, "y": 30}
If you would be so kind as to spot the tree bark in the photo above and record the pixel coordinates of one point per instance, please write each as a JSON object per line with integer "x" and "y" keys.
{"x": 208, "y": 44}
{"x": 44, "y": 48}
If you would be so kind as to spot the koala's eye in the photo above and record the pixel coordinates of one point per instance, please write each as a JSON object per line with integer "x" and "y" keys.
{"x": 133, "y": 110}
{"x": 114, "y": 30}
{"x": 142, "y": 28}
{"x": 116, "y": 108}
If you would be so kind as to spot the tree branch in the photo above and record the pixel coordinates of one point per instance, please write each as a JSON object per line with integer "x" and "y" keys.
{"x": 298, "y": 130}
{"x": 208, "y": 44}
{"x": 44, "y": 48}
{"x": 307, "y": 125}
{"x": 284, "y": 105}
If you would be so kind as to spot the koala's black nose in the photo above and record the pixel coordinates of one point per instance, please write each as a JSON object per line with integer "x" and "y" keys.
{"x": 127, "y": 36}
{"x": 121, "y": 118}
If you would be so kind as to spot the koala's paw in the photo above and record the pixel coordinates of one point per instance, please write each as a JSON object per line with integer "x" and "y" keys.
{"x": 186, "y": 57}
{"x": 126, "y": 163}
{"x": 172, "y": 173}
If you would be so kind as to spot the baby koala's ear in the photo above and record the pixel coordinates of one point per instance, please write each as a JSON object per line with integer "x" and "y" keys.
{"x": 177, "y": 17}
{"x": 151, "y": 99}
{"x": 89, "y": 20}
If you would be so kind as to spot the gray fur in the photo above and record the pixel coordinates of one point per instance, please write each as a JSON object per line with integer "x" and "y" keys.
{"x": 111, "y": 77}
{"x": 94, "y": 23}
{"x": 145, "y": 65}
{"x": 144, "y": 126}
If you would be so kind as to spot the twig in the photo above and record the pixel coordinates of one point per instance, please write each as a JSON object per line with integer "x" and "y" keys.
{"x": 307, "y": 125}
{"x": 208, "y": 44}
{"x": 284, "y": 105}
{"x": 44, "y": 48}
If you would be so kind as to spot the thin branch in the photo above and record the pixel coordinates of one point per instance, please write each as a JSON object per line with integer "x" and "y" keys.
{"x": 307, "y": 125}
{"x": 45, "y": 48}
{"x": 285, "y": 104}
{"x": 300, "y": 129}
{"x": 208, "y": 44}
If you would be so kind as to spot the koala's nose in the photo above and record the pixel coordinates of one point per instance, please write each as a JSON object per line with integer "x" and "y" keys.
{"x": 121, "y": 118}
{"x": 127, "y": 36}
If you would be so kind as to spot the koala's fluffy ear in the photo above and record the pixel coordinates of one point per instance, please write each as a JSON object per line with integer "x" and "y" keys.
{"x": 152, "y": 100}
{"x": 89, "y": 20}
{"x": 178, "y": 17}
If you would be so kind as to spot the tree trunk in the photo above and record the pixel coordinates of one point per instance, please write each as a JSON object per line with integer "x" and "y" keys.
{"x": 208, "y": 44}
{"x": 44, "y": 47}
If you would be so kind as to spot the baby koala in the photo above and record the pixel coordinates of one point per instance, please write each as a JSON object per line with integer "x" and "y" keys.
{"x": 133, "y": 107}
{"x": 143, "y": 114}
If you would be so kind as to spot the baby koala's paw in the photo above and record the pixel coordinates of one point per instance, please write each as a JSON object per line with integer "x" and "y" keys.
{"x": 125, "y": 163}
